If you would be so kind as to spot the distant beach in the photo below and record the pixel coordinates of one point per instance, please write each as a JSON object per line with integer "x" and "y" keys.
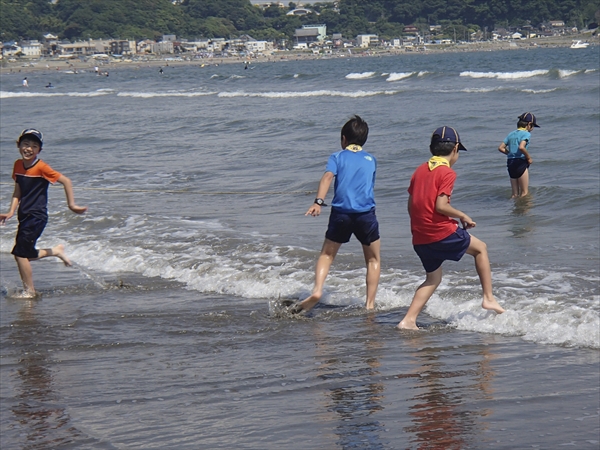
{"x": 26, "y": 65}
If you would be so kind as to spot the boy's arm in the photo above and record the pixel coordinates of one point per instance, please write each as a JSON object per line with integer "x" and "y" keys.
{"x": 66, "y": 182}
{"x": 442, "y": 206}
{"x": 16, "y": 198}
{"x": 502, "y": 148}
{"x": 523, "y": 148}
{"x": 324, "y": 184}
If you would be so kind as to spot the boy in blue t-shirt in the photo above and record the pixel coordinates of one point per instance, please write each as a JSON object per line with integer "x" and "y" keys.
{"x": 352, "y": 210}
{"x": 515, "y": 147}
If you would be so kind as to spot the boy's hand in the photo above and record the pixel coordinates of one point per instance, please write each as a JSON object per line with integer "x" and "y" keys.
{"x": 314, "y": 210}
{"x": 467, "y": 222}
{"x": 530, "y": 160}
{"x": 5, "y": 217}
{"x": 78, "y": 209}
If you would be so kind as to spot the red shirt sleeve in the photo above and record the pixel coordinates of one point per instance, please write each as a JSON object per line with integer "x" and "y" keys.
{"x": 446, "y": 183}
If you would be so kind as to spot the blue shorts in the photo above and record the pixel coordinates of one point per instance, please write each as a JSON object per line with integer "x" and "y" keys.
{"x": 30, "y": 229}
{"x": 516, "y": 167}
{"x": 343, "y": 225}
{"x": 453, "y": 247}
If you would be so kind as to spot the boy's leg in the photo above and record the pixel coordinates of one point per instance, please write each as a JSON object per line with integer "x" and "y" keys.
{"x": 58, "y": 251}
{"x": 328, "y": 253}
{"x": 26, "y": 274}
{"x": 373, "y": 261}
{"x": 478, "y": 250}
{"x": 423, "y": 293}
{"x": 514, "y": 186}
{"x": 523, "y": 182}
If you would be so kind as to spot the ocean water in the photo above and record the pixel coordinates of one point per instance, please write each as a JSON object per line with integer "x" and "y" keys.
{"x": 197, "y": 181}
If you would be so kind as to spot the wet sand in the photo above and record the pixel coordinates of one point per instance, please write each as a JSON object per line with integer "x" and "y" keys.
{"x": 137, "y": 363}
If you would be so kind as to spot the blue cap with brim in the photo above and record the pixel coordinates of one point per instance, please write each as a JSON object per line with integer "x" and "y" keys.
{"x": 30, "y": 132}
{"x": 529, "y": 118}
{"x": 447, "y": 134}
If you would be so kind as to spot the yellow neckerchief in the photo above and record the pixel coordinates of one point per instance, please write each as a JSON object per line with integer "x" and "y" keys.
{"x": 353, "y": 148}
{"x": 521, "y": 129}
{"x": 437, "y": 161}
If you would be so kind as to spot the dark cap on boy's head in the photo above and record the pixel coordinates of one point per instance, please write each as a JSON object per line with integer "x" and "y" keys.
{"x": 529, "y": 118}
{"x": 446, "y": 134}
{"x": 30, "y": 132}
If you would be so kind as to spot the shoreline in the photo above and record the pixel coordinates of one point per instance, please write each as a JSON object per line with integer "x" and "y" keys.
{"x": 26, "y": 66}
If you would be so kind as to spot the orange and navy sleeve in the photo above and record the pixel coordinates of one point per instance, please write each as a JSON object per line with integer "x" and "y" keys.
{"x": 39, "y": 170}
{"x": 49, "y": 173}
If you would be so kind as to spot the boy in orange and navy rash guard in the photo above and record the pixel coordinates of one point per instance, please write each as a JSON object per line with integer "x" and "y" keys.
{"x": 436, "y": 235}
{"x": 32, "y": 177}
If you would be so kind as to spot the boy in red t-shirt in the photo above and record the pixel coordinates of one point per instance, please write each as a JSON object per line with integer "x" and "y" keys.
{"x": 32, "y": 177}
{"x": 436, "y": 236}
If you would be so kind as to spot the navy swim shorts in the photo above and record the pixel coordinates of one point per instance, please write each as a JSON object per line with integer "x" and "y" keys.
{"x": 30, "y": 229}
{"x": 363, "y": 225}
{"x": 516, "y": 167}
{"x": 453, "y": 247}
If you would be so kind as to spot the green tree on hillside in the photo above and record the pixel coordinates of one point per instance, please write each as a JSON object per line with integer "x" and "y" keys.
{"x": 120, "y": 18}
{"x": 136, "y": 19}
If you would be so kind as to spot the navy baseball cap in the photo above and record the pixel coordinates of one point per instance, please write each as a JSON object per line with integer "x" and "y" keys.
{"x": 529, "y": 117}
{"x": 446, "y": 134}
{"x": 30, "y": 132}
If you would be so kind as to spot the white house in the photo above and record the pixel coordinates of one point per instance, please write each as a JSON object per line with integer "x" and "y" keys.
{"x": 259, "y": 46}
{"x": 365, "y": 40}
{"x": 10, "y": 49}
{"x": 161, "y": 48}
{"x": 301, "y": 12}
{"x": 83, "y": 48}
{"x": 32, "y": 49}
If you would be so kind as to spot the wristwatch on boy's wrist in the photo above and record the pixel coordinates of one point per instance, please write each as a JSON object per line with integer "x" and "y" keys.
{"x": 320, "y": 202}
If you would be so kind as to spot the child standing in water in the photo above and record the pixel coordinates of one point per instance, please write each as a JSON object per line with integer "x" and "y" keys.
{"x": 436, "y": 235}
{"x": 515, "y": 147}
{"x": 32, "y": 177}
{"x": 352, "y": 210}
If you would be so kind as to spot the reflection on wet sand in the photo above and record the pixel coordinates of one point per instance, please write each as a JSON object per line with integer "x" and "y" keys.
{"x": 42, "y": 423}
{"x": 443, "y": 411}
{"x": 523, "y": 223}
{"x": 357, "y": 391}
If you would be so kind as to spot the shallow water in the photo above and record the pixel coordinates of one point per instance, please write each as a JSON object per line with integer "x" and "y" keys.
{"x": 138, "y": 366}
{"x": 202, "y": 175}
{"x": 165, "y": 333}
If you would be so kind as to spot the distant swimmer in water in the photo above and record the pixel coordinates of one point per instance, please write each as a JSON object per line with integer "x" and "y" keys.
{"x": 25, "y": 82}
{"x": 160, "y": 71}
{"x": 49, "y": 85}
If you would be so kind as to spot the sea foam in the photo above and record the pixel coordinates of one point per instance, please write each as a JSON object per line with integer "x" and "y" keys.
{"x": 505, "y": 75}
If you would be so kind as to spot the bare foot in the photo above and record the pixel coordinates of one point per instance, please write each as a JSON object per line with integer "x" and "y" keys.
{"x": 492, "y": 305}
{"x": 295, "y": 308}
{"x": 407, "y": 325}
{"x": 59, "y": 252}
{"x": 27, "y": 295}
{"x": 310, "y": 302}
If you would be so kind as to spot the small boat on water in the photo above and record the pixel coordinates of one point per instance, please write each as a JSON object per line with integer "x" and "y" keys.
{"x": 579, "y": 44}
